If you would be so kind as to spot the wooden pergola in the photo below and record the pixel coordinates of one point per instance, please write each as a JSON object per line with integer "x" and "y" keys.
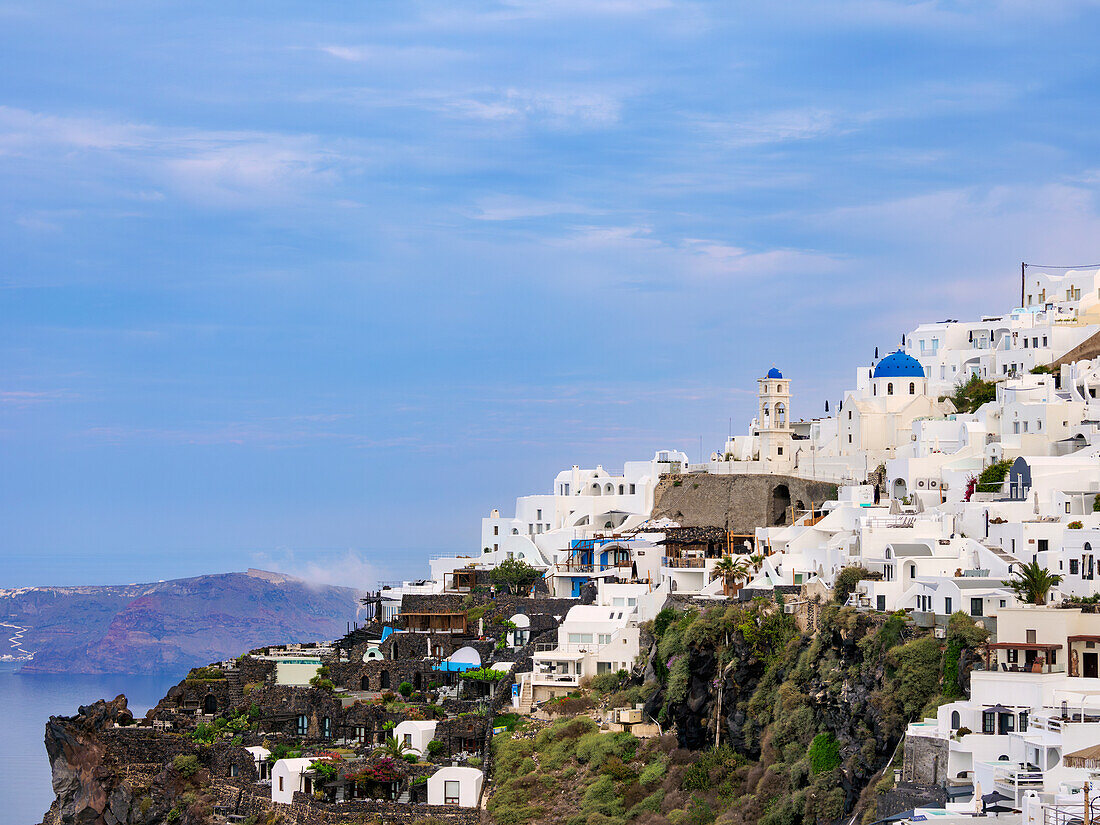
{"x": 435, "y": 622}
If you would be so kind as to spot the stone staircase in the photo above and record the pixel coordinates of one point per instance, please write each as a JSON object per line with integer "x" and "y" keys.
{"x": 236, "y": 688}
{"x": 526, "y": 697}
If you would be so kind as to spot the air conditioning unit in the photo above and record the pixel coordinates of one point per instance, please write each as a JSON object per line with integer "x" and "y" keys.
{"x": 789, "y": 608}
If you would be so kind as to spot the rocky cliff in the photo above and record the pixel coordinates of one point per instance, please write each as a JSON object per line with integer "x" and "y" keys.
{"x": 766, "y": 725}
{"x": 172, "y": 625}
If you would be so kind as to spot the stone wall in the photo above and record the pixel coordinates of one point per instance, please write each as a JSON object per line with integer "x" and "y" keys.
{"x": 738, "y": 503}
{"x": 925, "y": 760}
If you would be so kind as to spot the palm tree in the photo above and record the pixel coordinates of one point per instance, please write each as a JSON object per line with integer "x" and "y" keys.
{"x": 397, "y": 748}
{"x": 1033, "y": 583}
{"x": 730, "y": 571}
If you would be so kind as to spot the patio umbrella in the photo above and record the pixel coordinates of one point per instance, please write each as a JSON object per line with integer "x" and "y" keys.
{"x": 999, "y": 709}
{"x": 994, "y": 797}
{"x": 634, "y": 570}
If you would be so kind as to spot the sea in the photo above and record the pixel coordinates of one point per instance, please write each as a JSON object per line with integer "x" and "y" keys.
{"x": 28, "y": 700}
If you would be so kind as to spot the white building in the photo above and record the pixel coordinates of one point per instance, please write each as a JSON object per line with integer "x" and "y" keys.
{"x": 455, "y": 786}
{"x": 287, "y": 778}
{"x": 415, "y": 734}
{"x": 592, "y": 639}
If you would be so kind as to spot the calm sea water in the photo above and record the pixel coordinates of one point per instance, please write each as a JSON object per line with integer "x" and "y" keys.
{"x": 27, "y": 702}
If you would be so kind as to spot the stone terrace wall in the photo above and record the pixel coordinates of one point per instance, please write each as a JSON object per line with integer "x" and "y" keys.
{"x": 738, "y": 503}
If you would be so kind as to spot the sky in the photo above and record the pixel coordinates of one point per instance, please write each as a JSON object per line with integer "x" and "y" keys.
{"x": 314, "y": 286}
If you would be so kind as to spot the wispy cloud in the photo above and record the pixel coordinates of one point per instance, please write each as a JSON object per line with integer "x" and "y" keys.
{"x": 215, "y": 168}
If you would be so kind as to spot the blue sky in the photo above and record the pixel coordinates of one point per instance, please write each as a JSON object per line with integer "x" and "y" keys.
{"x": 313, "y": 286}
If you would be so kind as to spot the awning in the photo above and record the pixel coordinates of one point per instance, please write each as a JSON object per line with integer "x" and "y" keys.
{"x": 1085, "y": 758}
{"x": 1024, "y": 646}
{"x": 1084, "y": 638}
{"x": 998, "y": 709}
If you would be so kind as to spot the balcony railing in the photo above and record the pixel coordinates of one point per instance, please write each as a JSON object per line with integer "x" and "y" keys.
{"x": 1016, "y": 778}
{"x": 684, "y": 564}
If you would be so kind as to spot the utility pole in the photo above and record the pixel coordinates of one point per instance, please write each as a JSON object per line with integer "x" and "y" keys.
{"x": 1023, "y": 276}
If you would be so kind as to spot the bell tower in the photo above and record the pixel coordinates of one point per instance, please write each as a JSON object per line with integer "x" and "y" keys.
{"x": 774, "y": 421}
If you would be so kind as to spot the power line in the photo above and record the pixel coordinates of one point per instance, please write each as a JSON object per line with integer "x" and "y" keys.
{"x": 1051, "y": 266}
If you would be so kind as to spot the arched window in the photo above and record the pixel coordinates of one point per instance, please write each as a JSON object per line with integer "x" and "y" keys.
{"x": 912, "y": 387}
{"x": 621, "y": 488}
{"x": 955, "y": 721}
{"x": 890, "y": 388}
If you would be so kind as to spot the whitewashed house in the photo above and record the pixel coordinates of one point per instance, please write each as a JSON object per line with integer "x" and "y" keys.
{"x": 455, "y": 786}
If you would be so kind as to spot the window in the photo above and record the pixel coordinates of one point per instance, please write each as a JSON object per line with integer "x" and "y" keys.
{"x": 605, "y": 638}
{"x": 947, "y": 605}
{"x": 450, "y": 791}
{"x": 538, "y": 515}
{"x": 234, "y": 770}
{"x": 1073, "y": 566}
{"x": 303, "y": 725}
{"x": 849, "y": 439}
{"x": 280, "y": 784}
{"x": 326, "y": 728}
{"x": 496, "y": 529}
{"x": 621, "y": 489}
{"x": 780, "y": 451}
{"x": 603, "y": 667}
{"x": 1030, "y": 635}
{"x": 989, "y": 722}
{"x": 976, "y": 607}
{"x": 955, "y": 721}
{"x": 890, "y": 388}
{"x": 631, "y": 489}
{"x": 912, "y": 388}
{"x": 407, "y": 739}
{"x": 580, "y": 638}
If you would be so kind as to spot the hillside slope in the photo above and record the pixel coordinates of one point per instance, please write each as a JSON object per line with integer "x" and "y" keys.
{"x": 172, "y": 625}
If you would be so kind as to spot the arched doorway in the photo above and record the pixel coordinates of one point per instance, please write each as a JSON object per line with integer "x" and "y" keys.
{"x": 364, "y": 683}
{"x": 899, "y": 490}
{"x": 417, "y": 680}
{"x": 384, "y": 680}
{"x": 210, "y": 704}
{"x": 781, "y": 501}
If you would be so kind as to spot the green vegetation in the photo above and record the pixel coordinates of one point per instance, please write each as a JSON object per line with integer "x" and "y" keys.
{"x": 484, "y": 674}
{"x": 804, "y": 719}
{"x": 405, "y": 689}
{"x": 514, "y": 575}
{"x": 1031, "y": 583}
{"x": 847, "y": 579}
{"x": 824, "y": 753}
{"x": 186, "y": 765}
{"x": 992, "y": 478}
{"x": 969, "y": 396}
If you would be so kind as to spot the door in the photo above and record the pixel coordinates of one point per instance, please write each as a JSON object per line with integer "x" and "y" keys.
{"x": 1089, "y": 665}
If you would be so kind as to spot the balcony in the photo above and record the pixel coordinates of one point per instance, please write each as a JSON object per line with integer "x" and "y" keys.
{"x": 684, "y": 564}
{"x": 1017, "y": 776}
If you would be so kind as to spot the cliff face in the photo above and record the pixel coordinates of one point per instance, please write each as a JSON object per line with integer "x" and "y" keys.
{"x": 816, "y": 718}
{"x": 173, "y": 625}
{"x": 107, "y": 772}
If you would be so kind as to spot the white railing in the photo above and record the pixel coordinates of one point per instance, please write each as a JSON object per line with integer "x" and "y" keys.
{"x": 1018, "y": 778}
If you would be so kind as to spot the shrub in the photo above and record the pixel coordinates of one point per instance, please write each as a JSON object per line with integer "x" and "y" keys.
{"x": 602, "y": 798}
{"x": 607, "y": 682}
{"x": 993, "y": 476}
{"x": 435, "y": 747}
{"x": 186, "y": 765}
{"x": 597, "y": 748}
{"x": 1074, "y": 525}
{"x": 846, "y": 581}
{"x": 963, "y": 731}
{"x": 824, "y": 753}
{"x": 405, "y": 689}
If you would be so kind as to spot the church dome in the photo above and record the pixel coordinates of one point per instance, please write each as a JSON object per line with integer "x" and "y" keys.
{"x": 774, "y": 373}
{"x": 899, "y": 365}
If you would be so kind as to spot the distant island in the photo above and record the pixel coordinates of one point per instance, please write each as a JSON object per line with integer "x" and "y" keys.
{"x": 166, "y": 626}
